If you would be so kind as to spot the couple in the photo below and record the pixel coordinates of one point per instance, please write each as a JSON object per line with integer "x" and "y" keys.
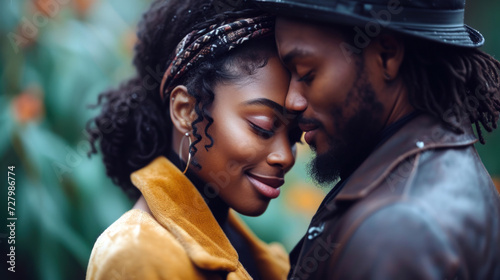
{"x": 389, "y": 113}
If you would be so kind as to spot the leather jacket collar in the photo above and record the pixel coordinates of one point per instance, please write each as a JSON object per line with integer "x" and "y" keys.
{"x": 423, "y": 133}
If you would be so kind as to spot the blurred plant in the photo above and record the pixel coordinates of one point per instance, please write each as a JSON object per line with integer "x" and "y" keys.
{"x": 496, "y": 181}
{"x": 82, "y": 7}
{"x": 28, "y": 106}
{"x": 56, "y": 56}
{"x": 306, "y": 199}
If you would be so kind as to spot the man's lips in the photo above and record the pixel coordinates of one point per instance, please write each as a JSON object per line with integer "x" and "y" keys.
{"x": 307, "y": 126}
{"x": 309, "y": 136}
{"x": 266, "y": 185}
{"x": 310, "y": 127}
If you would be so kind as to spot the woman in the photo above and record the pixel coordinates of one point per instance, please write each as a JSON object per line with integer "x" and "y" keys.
{"x": 211, "y": 136}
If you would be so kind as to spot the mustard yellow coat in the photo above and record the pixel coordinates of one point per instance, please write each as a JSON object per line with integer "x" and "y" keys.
{"x": 182, "y": 240}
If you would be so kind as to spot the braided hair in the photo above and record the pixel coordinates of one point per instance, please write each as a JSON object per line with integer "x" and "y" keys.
{"x": 451, "y": 83}
{"x": 134, "y": 125}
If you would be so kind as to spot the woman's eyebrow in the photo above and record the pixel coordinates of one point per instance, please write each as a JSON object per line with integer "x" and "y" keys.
{"x": 266, "y": 102}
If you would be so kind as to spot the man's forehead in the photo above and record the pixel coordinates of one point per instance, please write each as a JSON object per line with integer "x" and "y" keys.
{"x": 293, "y": 28}
{"x": 298, "y": 38}
{"x": 289, "y": 23}
{"x": 294, "y": 53}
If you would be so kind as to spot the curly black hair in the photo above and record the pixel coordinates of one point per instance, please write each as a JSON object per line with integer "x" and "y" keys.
{"x": 134, "y": 125}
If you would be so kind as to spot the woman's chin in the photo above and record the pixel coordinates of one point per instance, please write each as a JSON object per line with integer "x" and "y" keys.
{"x": 252, "y": 210}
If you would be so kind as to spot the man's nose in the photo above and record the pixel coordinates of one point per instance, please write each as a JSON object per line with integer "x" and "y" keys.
{"x": 295, "y": 100}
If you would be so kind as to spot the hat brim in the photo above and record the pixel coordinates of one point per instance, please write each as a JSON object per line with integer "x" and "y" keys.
{"x": 461, "y": 36}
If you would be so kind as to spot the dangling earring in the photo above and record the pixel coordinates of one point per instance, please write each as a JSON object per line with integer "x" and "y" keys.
{"x": 189, "y": 153}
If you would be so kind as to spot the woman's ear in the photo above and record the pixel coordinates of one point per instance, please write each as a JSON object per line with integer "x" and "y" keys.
{"x": 391, "y": 52}
{"x": 182, "y": 109}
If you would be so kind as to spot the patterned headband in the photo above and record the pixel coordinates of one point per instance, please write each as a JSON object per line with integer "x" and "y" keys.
{"x": 211, "y": 42}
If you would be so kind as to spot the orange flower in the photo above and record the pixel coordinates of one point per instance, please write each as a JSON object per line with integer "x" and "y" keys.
{"x": 48, "y": 8}
{"x": 82, "y": 6}
{"x": 28, "y": 106}
{"x": 496, "y": 181}
{"x": 304, "y": 198}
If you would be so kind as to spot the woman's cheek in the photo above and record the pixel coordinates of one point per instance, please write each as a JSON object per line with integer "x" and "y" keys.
{"x": 238, "y": 139}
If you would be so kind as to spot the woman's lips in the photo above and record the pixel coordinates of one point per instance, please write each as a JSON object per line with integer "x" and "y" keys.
{"x": 266, "y": 185}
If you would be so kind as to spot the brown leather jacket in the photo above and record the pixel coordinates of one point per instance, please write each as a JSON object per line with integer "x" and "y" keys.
{"x": 422, "y": 206}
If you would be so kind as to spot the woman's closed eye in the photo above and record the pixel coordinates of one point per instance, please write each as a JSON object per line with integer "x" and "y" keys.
{"x": 264, "y": 133}
{"x": 267, "y": 129}
{"x": 262, "y": 126}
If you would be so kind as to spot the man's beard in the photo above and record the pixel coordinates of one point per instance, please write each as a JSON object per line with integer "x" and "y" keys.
{"x": 355, "y": 138}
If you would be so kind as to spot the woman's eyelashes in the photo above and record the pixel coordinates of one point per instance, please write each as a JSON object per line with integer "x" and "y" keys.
{"x": 294, "y": 132}
{"x": 264, "y": 133}
{"x": 263, "y": 126}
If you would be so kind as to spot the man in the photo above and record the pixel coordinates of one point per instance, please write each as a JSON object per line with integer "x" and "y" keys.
{"x": 388, "y": 93}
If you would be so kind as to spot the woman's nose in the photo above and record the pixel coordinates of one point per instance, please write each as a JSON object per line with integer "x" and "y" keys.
{"x": 282, "y": 153}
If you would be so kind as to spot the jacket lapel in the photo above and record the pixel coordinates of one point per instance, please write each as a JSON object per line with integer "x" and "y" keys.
{"x": 178, "y": 206}
{"x": 272, "y": 260}
{"x": 422, "y": 133}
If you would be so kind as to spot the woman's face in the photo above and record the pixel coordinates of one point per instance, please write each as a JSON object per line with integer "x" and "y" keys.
{"x": 254, "y": 140}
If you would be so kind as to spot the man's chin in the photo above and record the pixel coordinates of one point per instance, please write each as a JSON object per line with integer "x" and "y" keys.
{"x": 324, "y": 168}
{"x": 320, "y": 149}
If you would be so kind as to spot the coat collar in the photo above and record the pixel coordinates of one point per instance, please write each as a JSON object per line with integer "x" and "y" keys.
{"x": 178, "y": 206}
{"x": 422, "y": 133}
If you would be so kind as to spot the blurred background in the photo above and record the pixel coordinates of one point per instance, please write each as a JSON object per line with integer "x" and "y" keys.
{"x": 56, "y": 56}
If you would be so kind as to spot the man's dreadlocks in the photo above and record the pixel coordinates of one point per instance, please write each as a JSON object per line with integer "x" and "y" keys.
{"x": 450, "y": 82}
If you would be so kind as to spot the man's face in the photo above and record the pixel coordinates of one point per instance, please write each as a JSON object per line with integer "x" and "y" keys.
{"x": 341, "y": 114}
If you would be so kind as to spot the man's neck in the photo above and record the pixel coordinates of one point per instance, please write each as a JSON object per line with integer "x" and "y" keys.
{"x": 400, "y": 106}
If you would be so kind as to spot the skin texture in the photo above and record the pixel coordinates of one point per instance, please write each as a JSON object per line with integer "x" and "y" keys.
{"x": 253, "y": 145}
{"x": 344, "y": 100}
{"x": 241, "y": 110}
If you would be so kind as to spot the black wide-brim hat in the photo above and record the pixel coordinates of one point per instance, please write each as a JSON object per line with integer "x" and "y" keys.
{"x": 436, "y": 20}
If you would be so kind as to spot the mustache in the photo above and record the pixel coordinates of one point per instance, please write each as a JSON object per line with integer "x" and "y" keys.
{"x": 308, "y": 121}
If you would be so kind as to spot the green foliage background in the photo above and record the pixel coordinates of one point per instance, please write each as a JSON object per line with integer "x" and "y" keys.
{"x": 54, "y": 62}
